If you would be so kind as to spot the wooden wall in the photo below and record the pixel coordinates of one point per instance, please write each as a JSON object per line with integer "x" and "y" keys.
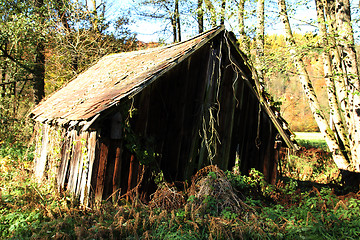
{"x": 67, "y": 155}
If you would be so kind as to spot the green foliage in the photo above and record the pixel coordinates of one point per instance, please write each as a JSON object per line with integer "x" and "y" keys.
{"x": 253, "y": 186}
{"x": 31, "y": 211}
{"x": 320, "y": 215}
{"x": 286, "y": 211}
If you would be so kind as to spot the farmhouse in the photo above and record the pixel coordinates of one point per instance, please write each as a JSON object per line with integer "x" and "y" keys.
{"x": 158, "y": 113}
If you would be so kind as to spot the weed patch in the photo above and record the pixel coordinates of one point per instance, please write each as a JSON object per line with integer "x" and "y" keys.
{"x": 216, "y": 205}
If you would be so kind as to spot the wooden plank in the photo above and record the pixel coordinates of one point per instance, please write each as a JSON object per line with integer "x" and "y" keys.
{"x": 91, "y": 158}
{"x": 117, "y": 168}
{"x": 41, "y": 161}
{"x": 245, "y": 129}
{"x": 266, "y": 147}
{"x": 109, "y": 173}
{"x": 210, "y": 87}
{"x": 174, "y": 95}
{"x": 196, "y": 75}
{"x": 198, "y": 110}
{"x": 103, "y": 158}
{"x": 69, "y": 176}
{"x": 234, "y": 158}
{"x": 84, "y": 164}
{"x": 65, "y": 157}
{"x": 132, "y": 173}
{"x": 74, "y": 163}
{"x": 72, "y": 135}
{"x": 227, "y": 103}
{"x": 140, "y": 129}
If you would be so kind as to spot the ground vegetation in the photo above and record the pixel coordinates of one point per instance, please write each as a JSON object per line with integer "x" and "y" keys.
{"x": 307, "y": 202}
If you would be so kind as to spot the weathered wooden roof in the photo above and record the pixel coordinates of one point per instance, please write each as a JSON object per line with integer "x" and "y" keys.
{"x": 112, "y": 78}
{"x": 120, "y": 75}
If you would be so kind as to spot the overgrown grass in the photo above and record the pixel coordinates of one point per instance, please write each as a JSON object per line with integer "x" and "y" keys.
{"x": 288, "y": 210}
{"x": 311, "y": 139}
{"x": 313, "y": 162}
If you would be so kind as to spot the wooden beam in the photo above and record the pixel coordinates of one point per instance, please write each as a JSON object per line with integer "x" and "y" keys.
{"x": 103, "y": 158}
{"x": 41, "y": 160}
{"x": 117, "y": 168}
{"x": 85, "y": 191}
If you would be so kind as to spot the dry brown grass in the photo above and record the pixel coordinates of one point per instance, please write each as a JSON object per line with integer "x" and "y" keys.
{"x": 211, "y": 189}
{"x": 167, "y": 197}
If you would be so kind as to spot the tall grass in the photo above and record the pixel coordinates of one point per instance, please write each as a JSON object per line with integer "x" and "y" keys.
{"x": 33, "y": 211}
{"x": 311, "y": 139}
{"x": 287, "y": 210}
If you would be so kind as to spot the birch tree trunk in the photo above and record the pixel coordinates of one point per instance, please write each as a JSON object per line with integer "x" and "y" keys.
{"x": 222, "y": 13}
{"x": 243, "y": 39}
{"x": 339, "y": 73}
{"x": 260, "y": 32}
{"x": 305, "y": 81}
{"x": 349, "y": 60}
{"x": 212, "y": 11}
{"x": 335, "y": 112}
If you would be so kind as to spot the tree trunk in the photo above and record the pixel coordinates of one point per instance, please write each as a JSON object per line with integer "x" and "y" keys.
{"x": 305, "y": 81}
{"x": 3, "y": 75}
{"x": 339, "y": 73}
{"x": 39, "y": 68}
{"x": 260, "y": 32}
{"x": 200, "y": 16}
{"x": 349, "y": 60}
{"x": 223, "y": 11}
{"x": 212, "y": 11}
{"x": 94, "y": 18}
{"x": 243, "y": 39}
{"x": 335, "y": 112}
{"x": 177, "y": 21}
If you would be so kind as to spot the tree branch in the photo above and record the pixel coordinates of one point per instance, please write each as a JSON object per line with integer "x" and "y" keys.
{"x": 8, "y": 56}
{"x": 22, "y": 80}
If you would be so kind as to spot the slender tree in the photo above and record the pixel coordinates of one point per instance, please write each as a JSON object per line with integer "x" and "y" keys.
{"x": 260, "y": 38}
{"x": 338, "y": 155}
{"x": 177, "y": 21}
{"x": 200, "y": 15}
{"x": 167, "y": 11}
{"x": 329, "y": 75}
{"x": 243, "y": 38}
{"x": 222, "y": 12}
{"x": 213, "y": 14}
{"x": 349, "y": 62}
{"x": 39, "y": 63}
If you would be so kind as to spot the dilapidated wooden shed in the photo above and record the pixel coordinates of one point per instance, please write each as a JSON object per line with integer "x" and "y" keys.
{"x": 161, "y": 112}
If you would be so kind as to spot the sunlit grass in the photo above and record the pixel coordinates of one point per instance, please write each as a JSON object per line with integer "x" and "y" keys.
{"x": 311, "y": 139}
